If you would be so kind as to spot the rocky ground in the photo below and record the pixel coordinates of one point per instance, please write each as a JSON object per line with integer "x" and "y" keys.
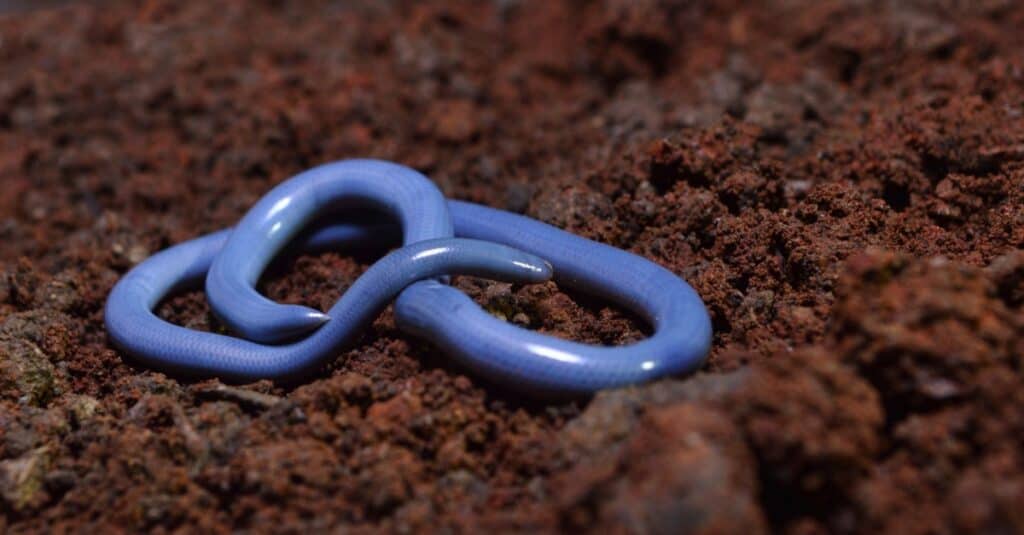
{"x": 842, "y": 182}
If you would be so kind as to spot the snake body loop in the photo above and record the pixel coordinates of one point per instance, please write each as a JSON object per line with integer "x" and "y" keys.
{"x": 491, "y": 243}
{"x": 267, "y": 227}
{"x": 549, "y": 365}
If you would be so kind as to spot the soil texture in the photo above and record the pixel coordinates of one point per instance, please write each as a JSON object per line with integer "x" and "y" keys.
{"x": 842, "y": 181}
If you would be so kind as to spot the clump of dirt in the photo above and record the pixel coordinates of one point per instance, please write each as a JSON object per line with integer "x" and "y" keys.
{"x": 841, "y": 181}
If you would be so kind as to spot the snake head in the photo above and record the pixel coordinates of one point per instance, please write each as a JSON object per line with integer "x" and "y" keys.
{"x": 273, "y": 323}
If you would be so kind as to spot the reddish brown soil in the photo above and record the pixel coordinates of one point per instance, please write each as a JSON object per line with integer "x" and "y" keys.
{"x": 842, "y": 181}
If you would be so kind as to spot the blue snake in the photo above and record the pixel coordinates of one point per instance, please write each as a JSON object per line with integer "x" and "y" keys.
{"x": 490, "y": 243}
